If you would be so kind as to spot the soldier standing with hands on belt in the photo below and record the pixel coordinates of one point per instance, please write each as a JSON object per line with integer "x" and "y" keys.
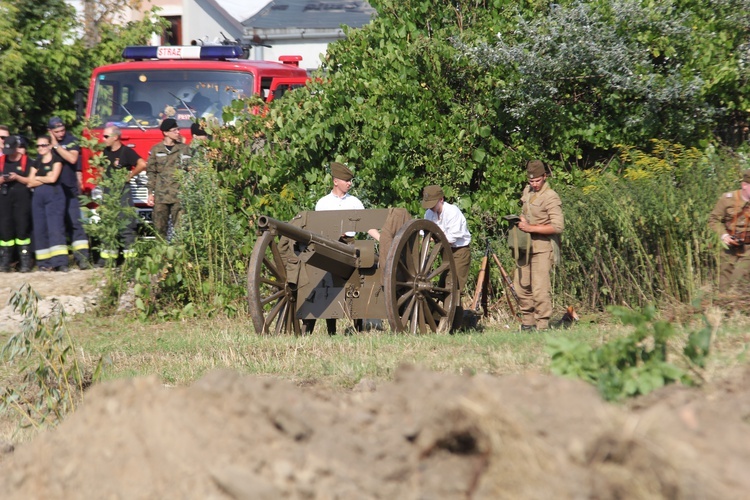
{"x": 730, "y": 220}
{"x": 542, "y": 218}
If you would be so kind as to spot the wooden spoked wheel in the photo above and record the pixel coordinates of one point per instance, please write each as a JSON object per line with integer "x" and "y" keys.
{"x": 271, "y": 301}
{"x": 420, "y": 280}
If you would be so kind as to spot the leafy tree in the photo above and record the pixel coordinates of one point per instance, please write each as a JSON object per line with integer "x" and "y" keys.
{"x": 583, "y": 78}
{"x": 99, "y": 15}
{"x": 396, "y": 102}
{"x": 43, "y": 60}
{"x": 37, "y": 60}
{"x": 461, "y": 93}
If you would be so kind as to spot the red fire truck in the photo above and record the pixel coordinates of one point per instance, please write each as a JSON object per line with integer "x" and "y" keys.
{"x": 182, "y": 82}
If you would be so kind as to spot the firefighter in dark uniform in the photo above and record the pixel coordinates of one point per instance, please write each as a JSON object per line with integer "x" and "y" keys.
{"x": 15, "y": 206}
{"x": 48, "y": 209}
{"x": 730, "y": 220}
{"x": 164, "y": 160}
{"x": 65, "y": 146}
{"x": 120, "y": 156}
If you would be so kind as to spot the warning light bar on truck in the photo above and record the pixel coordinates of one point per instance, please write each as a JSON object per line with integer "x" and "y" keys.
{"x": 204, "y": 52}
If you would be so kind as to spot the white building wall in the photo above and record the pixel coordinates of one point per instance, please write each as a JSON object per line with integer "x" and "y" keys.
{"x": 310, "y": 51}
{"x": 198, "y": 25}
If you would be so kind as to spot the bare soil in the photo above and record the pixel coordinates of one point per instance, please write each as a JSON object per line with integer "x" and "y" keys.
{"x": 75, "y": 290}
{"x": 422, "y": 436}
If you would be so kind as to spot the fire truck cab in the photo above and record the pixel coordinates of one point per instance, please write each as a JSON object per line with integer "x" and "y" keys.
{"x": 181, "y": 82}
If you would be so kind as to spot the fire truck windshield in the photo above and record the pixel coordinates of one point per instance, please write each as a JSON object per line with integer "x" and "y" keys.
{"x": 142, "y": 99}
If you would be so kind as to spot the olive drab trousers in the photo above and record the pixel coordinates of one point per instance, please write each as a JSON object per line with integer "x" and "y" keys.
{"x": 395, "y": 220}
{"x": 734, "y": 267}
{"x": 162, "y": 212}
{"x": 534, "y": 288}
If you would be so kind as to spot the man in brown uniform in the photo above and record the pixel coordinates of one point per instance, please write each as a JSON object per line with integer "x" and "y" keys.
{"x": 542, "y": 218}
{"x": 730, "y": 220}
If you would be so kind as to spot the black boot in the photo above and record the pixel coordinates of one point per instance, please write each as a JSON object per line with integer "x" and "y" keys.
{"x": 5, "y": 259}
{"x": 25, "y": 258}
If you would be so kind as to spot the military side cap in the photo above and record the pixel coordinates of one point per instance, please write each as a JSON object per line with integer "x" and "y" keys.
{"x": 431, "y": 195}
{"x": 168, "y": 124}
{"x": 746, "y": 176}
{"x": 535, "y": 168}
{"x": 341, "y": 171}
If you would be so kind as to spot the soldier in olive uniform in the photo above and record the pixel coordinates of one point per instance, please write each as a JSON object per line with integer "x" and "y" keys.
{"x": 163, "y": 161}
{"x": 542, "y": 218}
{"x": 730, "y": 220}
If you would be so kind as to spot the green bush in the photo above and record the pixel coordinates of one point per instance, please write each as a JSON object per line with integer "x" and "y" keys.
{"x": 203, "y": 269}
{"x": 632, "y": 365}
{"x": 461, "y": 93}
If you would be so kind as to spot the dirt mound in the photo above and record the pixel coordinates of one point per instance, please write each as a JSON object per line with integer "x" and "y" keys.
{"x": 425, "y": 435}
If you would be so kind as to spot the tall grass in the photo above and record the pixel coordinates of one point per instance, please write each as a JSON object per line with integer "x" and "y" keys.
{"x": 202, "y": 270}
{"x": 215, "y": 238}
{"x": 636, "y": 231}
{"x": 52, "y": 377}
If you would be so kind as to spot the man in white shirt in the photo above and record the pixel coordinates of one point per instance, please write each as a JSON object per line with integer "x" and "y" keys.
{"x": 339, "y": 197}
{"x": 453, "y": 224}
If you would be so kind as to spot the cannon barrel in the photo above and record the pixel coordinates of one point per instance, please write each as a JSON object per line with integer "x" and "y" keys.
{"x": 324, "y": 252}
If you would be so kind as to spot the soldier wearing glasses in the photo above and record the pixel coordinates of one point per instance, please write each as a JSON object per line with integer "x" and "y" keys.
{"x": 4, "y": 134}
{"x": 164, "y": 159}
{"x": 65, "y": 148}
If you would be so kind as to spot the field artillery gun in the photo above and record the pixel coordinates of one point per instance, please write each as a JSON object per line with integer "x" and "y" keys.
{"x": 304, "y": 270}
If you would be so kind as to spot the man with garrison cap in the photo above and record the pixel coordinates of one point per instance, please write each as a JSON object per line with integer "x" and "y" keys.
{"x": 542, "y": 218}
{"x": 339, "y": 199}
{"x": 730, "y": 220}
{"x": 453, "y": 224}
{"x": 164, "y": 159}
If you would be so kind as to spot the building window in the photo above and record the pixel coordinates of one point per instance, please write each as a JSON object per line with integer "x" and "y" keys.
{"x": 173, "y": 34}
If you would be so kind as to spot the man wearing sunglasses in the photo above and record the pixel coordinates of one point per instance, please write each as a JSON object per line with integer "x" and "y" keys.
{"x": 119, "y": 156}
{"x": 65, "y": 147}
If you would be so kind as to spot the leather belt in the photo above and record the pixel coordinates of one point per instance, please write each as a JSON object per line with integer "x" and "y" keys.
{"x": 458, "y": 248}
